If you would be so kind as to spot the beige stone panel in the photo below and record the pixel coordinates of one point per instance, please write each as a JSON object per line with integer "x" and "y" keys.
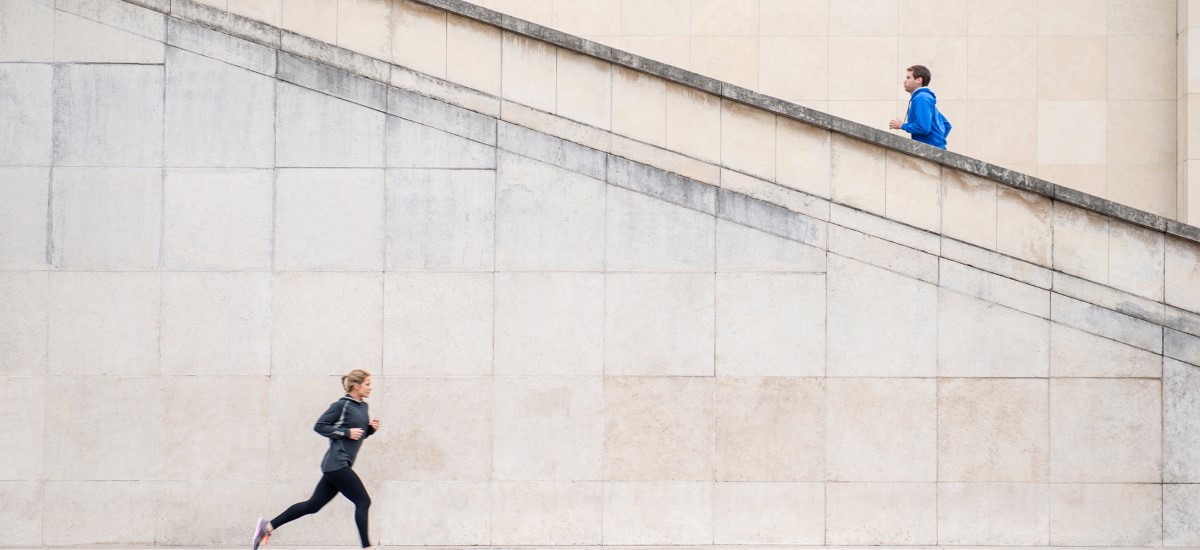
{"x": 24, "y": 298}
{"x": 979, "y": 338}
{"x": 23, "y": 217}
{"x": 724, "y": 18}
{"x": 748, "y": 139}
{"x": 435, "y": 513}
{"x": 312, "y": 18}
{"x": 473, "y": 54}
{"x": 980, "y": 514}
{"x": 22, "y": 403}
{"x": 106, "y": 218}
{"x": 103, "y": 323}
{"x": 97, "y": 430}
{"x": 770, "y": 324}
{"x": 659, "y": 324}
{"x": 668, "y": 160}
{"x": 1023, "y": 225}
{"x": 326, "y": 319}
{"x": 693, "y": 123}
{"x": 993, "y": 287}
{"x": 639, "y": 106}
{"x": 587, "y": 17}
{"x": 1103, "y": 514}
{"x": 878, "y": 322}
{"x": 1182, "y": 271}
{"x": 993, "y": 430}
{"x": 769, "y": 513}
{"x": 99, "y": 512}
{"x": 732, "y": 59}
{"x": 945, "y": 56}
{"x": 881, "y": 429}
{"x": 547, "y": 324}
{"x": 217, "y": 220}
{"x": 438, "y": 324}
{"x": 546, "y": 513}
{"x": 651, "y": 235}
{"x": 863, "y": 67}
{"x": 802, "y": 157}
{"x": 863, "y": 17}
{"x": 1072, "y": 67}
{"x": 913, "y": 191}
{"x": 26, "y": 31}
{"x": 365, "y": 26}
{"x": 1088, "y": 178}
{"x": 1075, "y": 353}
{"x": 1081, "y": 243}
{"x": 418, "y": 35}
{"x": 812, "y": 207}
{"x": 436, "y": 429}
{"x": 528, "y": 72}
{"x": 770, "y": 429}
{"x": 1135, "y": 257}
{"x": 1141, "y": 132}
{"x": 216, "y": 323}
{"x": 969, "y": 208}
{"x": 893, "y": 257}
{"x": 672, "y": 50}
{"x": 78, "y": 39}
{"x": 1146, "y": 187}
{"x": 535, "y": 11}
{"x": 584, "y": 89}
{"x": 793, "y": 18}
{"x": 660, "y": 18}
{"x": 1072, "y": 132}
{"x": 223, "y": 5}
{"x": 858, "y": 174}
{"x": 1180, "y": 525}
{"x": 743, "y": 249}
{"x": 658, "y": 428}
{"x": 880, "y": 514}
{"x": 21, "y": 504}
{"x": 794, "y": 68}
{"x": 1072, "y": 17}
{"x": 225, "y": 505}
{"x": 995, "y": 58}
{"x": 557, "y": 126}
{"x": 658, "y": 513}
{"x": 267, "y": 11}
{"x": 1144, "y": 17}
{"x": 935, "y": 17}
{"x": 1105, "y": 430}
{"x": 1010, "y": 138}
{"x": 198, "y": 446}
{"x": 329, "y": 220}
{"x": 548, "y": 428}
{"x": 1146, "y": 65}
{"x": 1011, "y": 18}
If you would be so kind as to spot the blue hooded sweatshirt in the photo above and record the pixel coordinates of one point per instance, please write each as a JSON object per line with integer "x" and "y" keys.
{"x": 924, "y": 121}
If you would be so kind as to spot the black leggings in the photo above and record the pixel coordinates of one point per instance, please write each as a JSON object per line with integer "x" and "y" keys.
{"x": 343, "y": 481}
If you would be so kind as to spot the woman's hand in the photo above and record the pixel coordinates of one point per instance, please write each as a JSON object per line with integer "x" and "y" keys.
{"x": 355, "y": 434}
{"x": 375, "y": 423}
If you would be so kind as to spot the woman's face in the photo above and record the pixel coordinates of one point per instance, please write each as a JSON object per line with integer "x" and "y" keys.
{"x": 364, "y": 389}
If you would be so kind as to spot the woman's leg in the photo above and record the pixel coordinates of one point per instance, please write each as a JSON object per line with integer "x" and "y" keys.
{"x": 350, "y": 485}
{"x": 321, "y": 496}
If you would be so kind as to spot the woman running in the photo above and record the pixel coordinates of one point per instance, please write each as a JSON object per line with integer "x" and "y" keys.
{"x": 346, "y": 424}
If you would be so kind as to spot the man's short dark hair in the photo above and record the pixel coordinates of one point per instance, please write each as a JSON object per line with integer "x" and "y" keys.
{"x": 921, "y": 72}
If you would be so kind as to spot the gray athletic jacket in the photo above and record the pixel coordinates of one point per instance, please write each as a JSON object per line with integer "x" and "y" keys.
{"x": 335, "y": 423}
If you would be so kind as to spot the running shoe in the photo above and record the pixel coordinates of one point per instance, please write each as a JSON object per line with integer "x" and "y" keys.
{"x": 261, "y": 535}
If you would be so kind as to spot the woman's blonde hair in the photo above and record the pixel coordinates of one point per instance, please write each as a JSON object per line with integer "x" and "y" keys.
{"x": 355, "y": 377}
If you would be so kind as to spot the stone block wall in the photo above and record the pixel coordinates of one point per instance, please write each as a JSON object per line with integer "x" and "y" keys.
{"x": 732, "y": 327}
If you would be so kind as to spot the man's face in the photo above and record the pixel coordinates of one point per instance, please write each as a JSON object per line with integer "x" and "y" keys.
{"x": 911, "y": 84}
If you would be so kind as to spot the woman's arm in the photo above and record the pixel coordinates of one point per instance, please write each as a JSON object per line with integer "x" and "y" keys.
{"x": 329, "y": 424}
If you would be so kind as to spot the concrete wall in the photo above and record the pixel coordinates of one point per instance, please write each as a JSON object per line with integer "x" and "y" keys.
{"x": 1079, "y": 92}
{"x": 603, "y": 334}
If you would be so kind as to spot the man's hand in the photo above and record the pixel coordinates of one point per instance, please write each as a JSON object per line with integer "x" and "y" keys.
{"x": 355, "y": 434}
{"x": 375, "y": 424}
{"x": 896, "y": 124}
